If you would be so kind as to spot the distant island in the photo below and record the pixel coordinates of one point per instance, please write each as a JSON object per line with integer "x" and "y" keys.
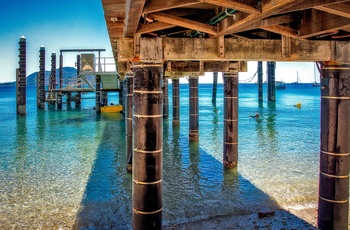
{"x": 68, "y": 73}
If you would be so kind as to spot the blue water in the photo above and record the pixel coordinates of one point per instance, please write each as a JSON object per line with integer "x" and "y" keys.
{"x": 66, "y": 168}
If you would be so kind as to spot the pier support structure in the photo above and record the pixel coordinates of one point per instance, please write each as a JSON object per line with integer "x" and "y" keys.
{"x": 230, "y": 151}
{"x": 77, "y": 98}
{"x": 193, "y": 104}
{"x": 147, "y": 146}
{"x": 41, "y": 79}
{"x": 60, "y": 83}
{"x": 215, "y": 87}
{"x": 333, "y": 202}
{"x": 260, "y": 83}
{"x": 52, "y": 99}
{"x": 98, "y": 94}
{"x": 271, "y": 83}
{"x": 165, "y": 98}
{"x": 21, "y": 80}
{"x": 129, "y": 81}
{"x": 176, "y": 101}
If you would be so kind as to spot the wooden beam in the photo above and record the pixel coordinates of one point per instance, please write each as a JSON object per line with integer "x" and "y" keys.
{"x": 283, "y": 30}
{"x": 342, "y": 9}
{"x": 318, "y": 22}
{"x": 311, "y": 4}
{"x": 133, "y": 11}
{"x": 155, "y": 6}
{"x": 233, "y": 4}
{"x": 155, "y": 26}
{"x": 177, "y": 21}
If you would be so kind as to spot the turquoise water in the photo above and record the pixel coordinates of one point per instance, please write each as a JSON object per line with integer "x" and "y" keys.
{"x": 63, "y": 169}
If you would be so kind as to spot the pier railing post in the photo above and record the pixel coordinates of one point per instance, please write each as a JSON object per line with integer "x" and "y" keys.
{"x": 129, "y": 81}
{"x": 41, "y": 79}
{"x": 230, "y": 150}
{"x": 176, "y": 101}
{"x": 333, "y": 202}
{"x": 193, "y": 104}
{"x": 21, "y": 79}
{"x": 147, "y": 146}
{"x": 260, "y": 83}
{"x": 215, "y": 86}
{"x": 165, "y": 98}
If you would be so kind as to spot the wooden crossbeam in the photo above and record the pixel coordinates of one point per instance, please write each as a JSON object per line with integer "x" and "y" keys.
{"x": 155, "y": 6}
{"x": 133, "y": 11}
{"x": 283, "y": 30}
{"x": 342, "y": 9}
{"x": 234, "y": 5}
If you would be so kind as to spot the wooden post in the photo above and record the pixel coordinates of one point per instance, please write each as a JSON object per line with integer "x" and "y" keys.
{"x": 21, "y": 78}
{"x": 77, "y": 98}
{"x": 260, "y": 83}
{"x": 230, "y": 153}
{"x": 165, "y": 98}
{"x": 215, "y": 86}
{"x": 41, "y": 79}
{"x": 176, "y": 101}
{"x": 129, "y": 81}
{"x": 333, "y": 202}
{"x": 193, "y": 129}
{"x": 147, "y": 146}
{"x": 98, "y": 93}
{"x": 271, "y": 83}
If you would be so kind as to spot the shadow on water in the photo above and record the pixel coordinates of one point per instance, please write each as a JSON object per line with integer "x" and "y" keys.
{"x": 195, "y": 185}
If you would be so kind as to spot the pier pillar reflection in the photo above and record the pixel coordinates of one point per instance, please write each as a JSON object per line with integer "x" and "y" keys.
{"x": 230, "y": 153}
{"x": 129, "y": 80}
{"x": 21, "y": 80}
{"x": 333, "y": 202}
{"x": 193, "y": 107}
{"x": 41, "y": 79}
{"x": 260, "y": 83}
{"x": 215, "y": 87}
{"x": 271, "y": 83}
{"x": 147, "y": 146}
{"x": 98, "y": 94}
{"x": 176, "y": 101}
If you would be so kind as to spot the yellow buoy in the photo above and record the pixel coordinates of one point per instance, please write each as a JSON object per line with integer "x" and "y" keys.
{"x": 298, "y": 105}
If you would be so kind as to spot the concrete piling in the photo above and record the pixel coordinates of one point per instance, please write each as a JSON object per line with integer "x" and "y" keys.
{"x": 147, "y": 146}
{"x": 77, "y": 98}
{"x": 129, "y": 80}
{"x": 215, "y": 87}
{"x": 271, "y": 83}
{"x": 98, "y": 94}
{"x": 230, "y": 152}
{"x": 176, "y": 101}
{"x": 333, "y": 202}
{"x": 21, "y": 78}
{"x": 41, "y": 79}
{"x": 260, "y": 83}
{"x": 193, "y": 104}
{"x": 165, "y": 98}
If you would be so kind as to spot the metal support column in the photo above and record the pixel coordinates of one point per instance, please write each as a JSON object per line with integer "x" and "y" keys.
{"x": 41, "y": 79}
{"x": 21, "y": 80}
{"x": 98, "y": 93}
{"x": 129, "y": 80}
{"x": 165, "y": 98}
{"x": 271, "y": 83}
{"x": 215, "y": 87}
{"x": 333, "y": 202}
{"x": 176, "y": 102}
{"x": 230, "y": 153}
{"x": 193, "y": 104}
{"x": 260, "y": 83}
{"x": 147, "y": 146}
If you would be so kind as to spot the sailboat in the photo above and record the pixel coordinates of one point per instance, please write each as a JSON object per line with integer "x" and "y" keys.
{"x": 315, "y": 83}
{"x": 298, "y": 82}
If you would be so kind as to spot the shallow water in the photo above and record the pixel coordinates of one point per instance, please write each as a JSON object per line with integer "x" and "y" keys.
{"x": 67, "y": 168}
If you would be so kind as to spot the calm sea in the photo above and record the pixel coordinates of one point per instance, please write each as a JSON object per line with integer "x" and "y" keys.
{"x": 67, "y": 168}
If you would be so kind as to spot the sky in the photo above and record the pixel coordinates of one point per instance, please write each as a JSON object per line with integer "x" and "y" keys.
{"x": 80, "y": 24}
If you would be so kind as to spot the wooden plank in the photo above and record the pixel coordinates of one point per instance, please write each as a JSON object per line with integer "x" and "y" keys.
{"x": 155, "y": 6}
{"x": 183, "y": 22}
{"x": 133, "y": 11}
{"x": 155, "y": 26}
{"x": 318, "y": 22}
{"x": 283, "y": 30}
{"x": 234, "y": 5}
{"x": 342, "y": 9}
